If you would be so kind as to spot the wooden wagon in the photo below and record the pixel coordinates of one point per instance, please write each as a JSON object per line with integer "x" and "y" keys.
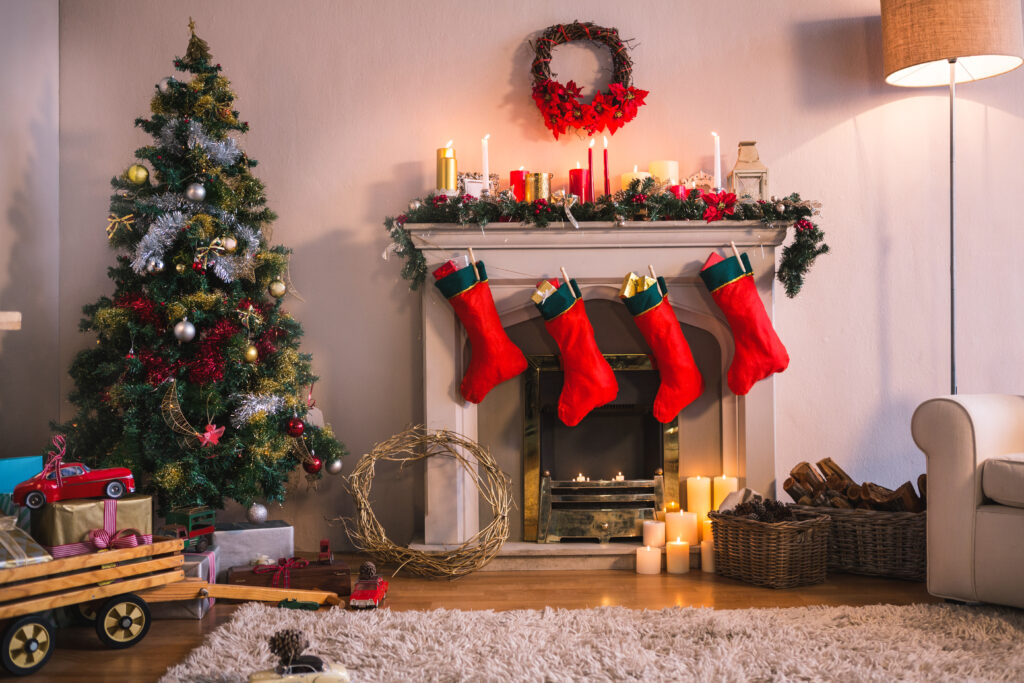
{"x": 109, "y": 589}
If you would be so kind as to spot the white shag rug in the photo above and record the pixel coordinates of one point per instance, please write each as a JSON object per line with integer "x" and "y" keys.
{"x": 875, "y": 643}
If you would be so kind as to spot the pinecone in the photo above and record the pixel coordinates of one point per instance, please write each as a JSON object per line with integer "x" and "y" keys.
{"x": 288, "y": 644}
{"x": 766, "y": 510}
{"x": 367, "y": 570}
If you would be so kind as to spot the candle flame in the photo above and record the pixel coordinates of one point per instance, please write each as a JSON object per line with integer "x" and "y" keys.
{"x": 522, "y": 168}
{"x": 487, "y": 137}
{"x": 679, "y": 539}
{"x": 592, "y": 141}
{"x": 714, "y": 133}
{"x": 648, "y": 548}
{"x": 634, "y": 168}
{"x": 448, "y": 146}
{"x": 605, "y": 141}
{"x": 577, "y": 164}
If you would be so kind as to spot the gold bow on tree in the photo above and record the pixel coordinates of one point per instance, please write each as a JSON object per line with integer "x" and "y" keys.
{"x": 114, "y": 224}
{"x": 214, "y": 248}
{"x": 249, "y": 316}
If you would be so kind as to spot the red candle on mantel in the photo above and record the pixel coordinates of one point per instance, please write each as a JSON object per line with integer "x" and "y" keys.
{"x": 517, "y": 179}
{"x": 589, "y": 197}
{"x": 579, "y": 182}
{"x": 607, "y": 185}
{"x": 678, "y": 190}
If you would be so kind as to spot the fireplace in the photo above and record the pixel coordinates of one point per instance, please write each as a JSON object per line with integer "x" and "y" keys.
{"x": 720, "y": 433}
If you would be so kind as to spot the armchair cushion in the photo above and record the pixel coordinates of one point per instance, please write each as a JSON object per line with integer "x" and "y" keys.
{"x": 1002, "y": 479}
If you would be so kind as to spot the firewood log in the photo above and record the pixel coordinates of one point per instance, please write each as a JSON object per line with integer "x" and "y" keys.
{"x": 840, "y": 502}
{"x": 832, "y": 470}
{"x": 806, "y": 475}
{"x": 908, "y": 498}
{"x": 922, "y": 488}
{"x": 795, "y": 489}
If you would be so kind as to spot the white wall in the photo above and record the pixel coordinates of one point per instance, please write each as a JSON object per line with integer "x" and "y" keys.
{"x": 29, "y": 270}
{"x": 348, "y": 100}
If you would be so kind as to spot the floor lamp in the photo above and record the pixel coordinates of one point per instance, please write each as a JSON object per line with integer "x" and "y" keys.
{"x": 945, "y": 42}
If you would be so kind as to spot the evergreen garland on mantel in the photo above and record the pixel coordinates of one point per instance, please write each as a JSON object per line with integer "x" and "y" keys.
{"x": 643, "y": 201}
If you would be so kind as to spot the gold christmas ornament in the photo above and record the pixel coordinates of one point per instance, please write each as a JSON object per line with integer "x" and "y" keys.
{"x": 180, "y": 268}
{"x": 137, "y": 173}
{"x": 277, "y": 288}
{"x": 230, "y": 244}
{"x": 252, "y": 354}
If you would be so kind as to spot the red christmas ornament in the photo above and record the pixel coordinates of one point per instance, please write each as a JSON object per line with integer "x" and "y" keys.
{"x": 313, "y": 466}
{"x": 296, "y": 427}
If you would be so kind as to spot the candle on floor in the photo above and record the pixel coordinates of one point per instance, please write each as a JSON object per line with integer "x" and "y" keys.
{"x": 689, "y": 533}
{"x": 672, "y": 506}
{"x": 708, "y": 530}
{"x": 517, "y": 182}
{"x": 579, "y": 182}
{"x": 607, "y": 185}
{"x": 665, "y": 171}
{"x": 486, "y": 163}
{"x": 718, "y": 161}
{"x": 447, "y": 169}
{"x": 723, "y": 487}
{"x": 707, "y": 557}
{"x": 677, "y": 557}
{"x": 654, "y": 533}
{"x": 619, "y": 477}
{"x": 580, "y": 477}
{"x": 648, "y": 560}
{"x": 627, "y": 178}
{"x": 674, "y": 525}
{"x": 698, "y": 496}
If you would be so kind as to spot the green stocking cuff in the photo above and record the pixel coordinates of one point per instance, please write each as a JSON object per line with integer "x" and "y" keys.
{"x": 725, "y": 272}
{"x": 560, "y": 302}
{"x": 647, "y": 299}
{"x": 458, "y": 282}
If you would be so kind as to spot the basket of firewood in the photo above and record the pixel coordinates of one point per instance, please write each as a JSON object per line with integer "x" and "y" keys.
{"x": 875, "y": 530}
{"x": 765, "y": 543}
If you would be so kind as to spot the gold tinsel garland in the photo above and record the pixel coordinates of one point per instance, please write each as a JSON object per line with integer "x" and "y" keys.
{"x": 413, "y": 445}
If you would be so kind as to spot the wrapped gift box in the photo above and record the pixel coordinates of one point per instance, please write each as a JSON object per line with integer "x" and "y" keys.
{"x": 74, "y": 527}
{"x": 199, "y": 566}
{"x": 238, "y": 544}
{"x": 13, "y": 471}
{"x": 11, "y": 509}
{"x": 17, "y": 548}
{"x": 295, "y": 573}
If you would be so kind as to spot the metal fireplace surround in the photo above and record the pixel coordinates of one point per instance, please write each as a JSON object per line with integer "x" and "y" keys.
{"x": 597, "y": 256}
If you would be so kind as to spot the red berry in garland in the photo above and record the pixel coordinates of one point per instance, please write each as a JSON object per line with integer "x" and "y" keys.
{"x": 295, "y": 426}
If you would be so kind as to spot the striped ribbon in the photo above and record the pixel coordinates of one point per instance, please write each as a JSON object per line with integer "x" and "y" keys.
{"x": 109, "y": 537}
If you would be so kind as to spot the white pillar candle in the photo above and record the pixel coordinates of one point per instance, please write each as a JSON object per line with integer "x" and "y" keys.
{"x": 723, "y": 487}
{"x": 674, "y": 525}
{"x": 690, "y": 534}
{"x": 677, "y": 557}
{"x": 654, "y": 533}
{"x": 627, "y": 178}
{"x": 486, "y": 162}
{"x": 665, "y": 171}
{"x": 698, "y": 496}
{"x": 707, "y": 557}
{"x": 708, "y": 531}
{"x": 648, "y": 560}
{"x": 718, "y": 161}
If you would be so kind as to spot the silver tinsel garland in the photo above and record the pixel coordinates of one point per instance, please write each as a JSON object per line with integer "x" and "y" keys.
{"x": 224, "y": 152}
{"x": 252, "y": 405}
{"x": 158, "y": 238}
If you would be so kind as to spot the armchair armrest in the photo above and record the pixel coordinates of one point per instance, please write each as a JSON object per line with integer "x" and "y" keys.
{"x": 957, "y": 434}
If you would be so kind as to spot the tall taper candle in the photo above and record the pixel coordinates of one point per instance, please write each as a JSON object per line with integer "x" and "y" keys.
{"x": 607, "y": 183}
{"x": 718, "y": 162}
{"x": 447, "y": 170}
{"x": 487, "y": 165}
{"x": 590, "y": 173}
{"x": 698, "y": 497}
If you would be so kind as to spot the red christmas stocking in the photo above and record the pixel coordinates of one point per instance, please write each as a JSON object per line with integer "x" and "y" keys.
{"x": 759, "y": 352}
{"x": 493, "y": 357}
{"x": 589, "y": 380}
{"x": 681, "y": 382}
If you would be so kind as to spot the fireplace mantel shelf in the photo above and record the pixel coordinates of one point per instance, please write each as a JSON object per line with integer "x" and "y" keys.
{"x": 597, "y": 235}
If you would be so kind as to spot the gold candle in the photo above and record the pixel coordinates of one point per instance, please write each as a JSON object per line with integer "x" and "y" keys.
{"x": 538, "y": 186}
{"x": 447, "y": 169}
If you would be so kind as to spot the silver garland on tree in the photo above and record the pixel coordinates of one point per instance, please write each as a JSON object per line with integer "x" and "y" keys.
{"x": 224, "y": 152}
{"x": 158, "y": 239}
{"x": 252, "y": 405}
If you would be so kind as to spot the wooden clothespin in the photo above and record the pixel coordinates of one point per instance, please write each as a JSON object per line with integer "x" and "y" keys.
{"x": 737, "y": 253}
{"x": 472, "y": 262}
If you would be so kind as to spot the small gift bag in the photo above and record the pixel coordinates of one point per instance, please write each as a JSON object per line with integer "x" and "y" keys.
{"x": 17, "y": 548}
{"x": 74, "y": 527}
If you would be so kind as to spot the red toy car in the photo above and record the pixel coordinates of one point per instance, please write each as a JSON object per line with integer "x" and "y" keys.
{"x": 74, "y": 480}
{"x": 368, "y": 593}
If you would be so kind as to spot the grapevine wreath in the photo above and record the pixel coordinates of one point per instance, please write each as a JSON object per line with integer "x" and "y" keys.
{"x": 560, "y": 104}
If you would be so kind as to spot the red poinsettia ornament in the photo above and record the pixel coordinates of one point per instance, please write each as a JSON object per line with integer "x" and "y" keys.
{"x": 719, "y": 205}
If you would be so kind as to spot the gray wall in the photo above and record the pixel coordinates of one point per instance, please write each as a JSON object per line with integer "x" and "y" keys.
{"x": 348, "y": 100}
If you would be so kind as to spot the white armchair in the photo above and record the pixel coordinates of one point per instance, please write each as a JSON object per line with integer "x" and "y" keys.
{"x": 975, "y": 450}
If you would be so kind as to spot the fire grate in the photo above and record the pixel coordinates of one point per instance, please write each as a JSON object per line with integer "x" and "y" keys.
{"x": 600, "y": 510}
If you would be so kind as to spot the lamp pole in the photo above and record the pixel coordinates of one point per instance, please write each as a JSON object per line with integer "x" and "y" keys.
{"x": 952, "y": 227}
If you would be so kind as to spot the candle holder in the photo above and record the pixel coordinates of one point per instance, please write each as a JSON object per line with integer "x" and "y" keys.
{"x": 538, "y": 186}
{"x": 749, "y": 177}
{"x": 447, "y": 169}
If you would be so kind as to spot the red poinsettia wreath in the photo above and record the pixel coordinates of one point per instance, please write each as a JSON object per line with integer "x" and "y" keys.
{"x": 561, "y": 104}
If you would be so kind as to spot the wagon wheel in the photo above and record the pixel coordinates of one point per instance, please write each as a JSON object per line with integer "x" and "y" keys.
{"x": 82, "y": 613}
{"x": 27, "y": 644}
{"x": 122, "y": 621}
{"x": 202, "y": 543}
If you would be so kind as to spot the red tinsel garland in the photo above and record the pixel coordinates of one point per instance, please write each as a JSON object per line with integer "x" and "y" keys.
{"x": 207, "y": 365}
{"x": 143, "y": 308}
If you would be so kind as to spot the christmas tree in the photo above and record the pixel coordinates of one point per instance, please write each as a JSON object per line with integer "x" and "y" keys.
{"x": 196, "y": 381}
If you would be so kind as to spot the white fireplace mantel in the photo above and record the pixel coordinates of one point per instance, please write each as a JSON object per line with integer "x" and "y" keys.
{"x": 597, "y": 256}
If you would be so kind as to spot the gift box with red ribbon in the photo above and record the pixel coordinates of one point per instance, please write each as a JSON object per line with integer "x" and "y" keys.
{"x": 295, "y": 572}
{"x": 73, "y": 527}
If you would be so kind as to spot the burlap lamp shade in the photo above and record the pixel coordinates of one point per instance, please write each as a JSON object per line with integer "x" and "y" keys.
{"x": 920, "y": 37}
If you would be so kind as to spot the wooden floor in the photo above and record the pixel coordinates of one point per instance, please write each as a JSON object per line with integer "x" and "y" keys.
{"x": 78, "y": 656}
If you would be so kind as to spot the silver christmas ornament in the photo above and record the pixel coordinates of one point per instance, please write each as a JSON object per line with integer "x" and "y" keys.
{"x": 184, "y": 330}
{"x": 164, "y": 85}
{"x": 334, "y": 466}
{"x": 780, "y": 207}
{"x": 257, "y": 513}
{"x": 154, "y": 265}
{"x": 196, "y": 192}
{"x": 230, "y": 244}
{"x": 414, "y": 204}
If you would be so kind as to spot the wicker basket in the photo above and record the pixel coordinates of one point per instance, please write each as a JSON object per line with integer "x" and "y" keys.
{"x": 875, "y": 543}
{"x": 779, "y": 555}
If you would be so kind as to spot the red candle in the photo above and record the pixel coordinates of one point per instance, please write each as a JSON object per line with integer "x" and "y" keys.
{"x": 607, "y": 185}
{"x": 517, "y": 179}
{"x": 579, "y": 182}
{"x": 678, "y": 190}
{"x": 589, "y": 197}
